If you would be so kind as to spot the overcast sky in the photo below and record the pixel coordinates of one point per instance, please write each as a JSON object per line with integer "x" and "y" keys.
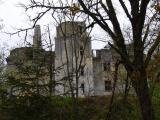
{"x": 14, "y": 17}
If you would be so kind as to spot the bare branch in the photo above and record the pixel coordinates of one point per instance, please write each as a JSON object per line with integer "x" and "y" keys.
{"x": 125, "y": 10}
{"x": 151, "y": 50}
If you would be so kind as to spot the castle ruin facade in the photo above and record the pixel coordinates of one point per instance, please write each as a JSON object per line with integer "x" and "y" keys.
{"x": 75, "y": 70}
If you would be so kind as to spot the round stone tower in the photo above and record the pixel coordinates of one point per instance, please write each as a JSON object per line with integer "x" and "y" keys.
{"x": 73, "y": 61}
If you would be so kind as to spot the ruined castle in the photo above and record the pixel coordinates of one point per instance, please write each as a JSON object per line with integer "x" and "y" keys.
{"x": 71, "y": 68}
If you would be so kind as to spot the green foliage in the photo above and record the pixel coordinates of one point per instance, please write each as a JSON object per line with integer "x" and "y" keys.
{"x": 28, "y": 108}
{"x": 38, "y": 107}
{"x": 124, "y": 111}
{"x": 51, "y": 108}
{"x": 62, "y": 108}
{"x": 93, "y": 108}
{"x": 156, "y": 101}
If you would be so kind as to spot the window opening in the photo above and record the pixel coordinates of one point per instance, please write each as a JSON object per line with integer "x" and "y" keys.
{"x": 82, "y": 87}
{"x": 107, "y": 85}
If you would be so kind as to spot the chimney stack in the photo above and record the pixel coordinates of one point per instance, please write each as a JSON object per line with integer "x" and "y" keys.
{"x": 37, "y": 43}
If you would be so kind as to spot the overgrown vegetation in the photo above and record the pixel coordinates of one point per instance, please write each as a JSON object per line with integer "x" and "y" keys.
{"x": 38, "y": 107}
{"x": 144, "y": 34}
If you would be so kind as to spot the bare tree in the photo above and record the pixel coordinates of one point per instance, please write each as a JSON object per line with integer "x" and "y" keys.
{"x": 104, "y": 13}
{"x": 71, "y": 48}
{"x": 136, "y": 67}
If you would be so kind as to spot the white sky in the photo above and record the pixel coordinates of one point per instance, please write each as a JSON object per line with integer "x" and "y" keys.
{"x": 12, "y": 17}
{"x": 15, "y": 17}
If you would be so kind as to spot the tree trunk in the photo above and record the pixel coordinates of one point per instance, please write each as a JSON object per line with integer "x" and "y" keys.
{"x": 113, "y": 90}
{"x": 142, "y": 91}
{"x": 126, "y": 91}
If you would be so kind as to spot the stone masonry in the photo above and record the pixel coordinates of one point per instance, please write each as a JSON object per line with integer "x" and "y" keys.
{"x": 75, "y": 67}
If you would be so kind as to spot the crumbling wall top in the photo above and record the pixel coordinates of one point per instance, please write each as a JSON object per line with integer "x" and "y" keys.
{"x": 70, "y": 28}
